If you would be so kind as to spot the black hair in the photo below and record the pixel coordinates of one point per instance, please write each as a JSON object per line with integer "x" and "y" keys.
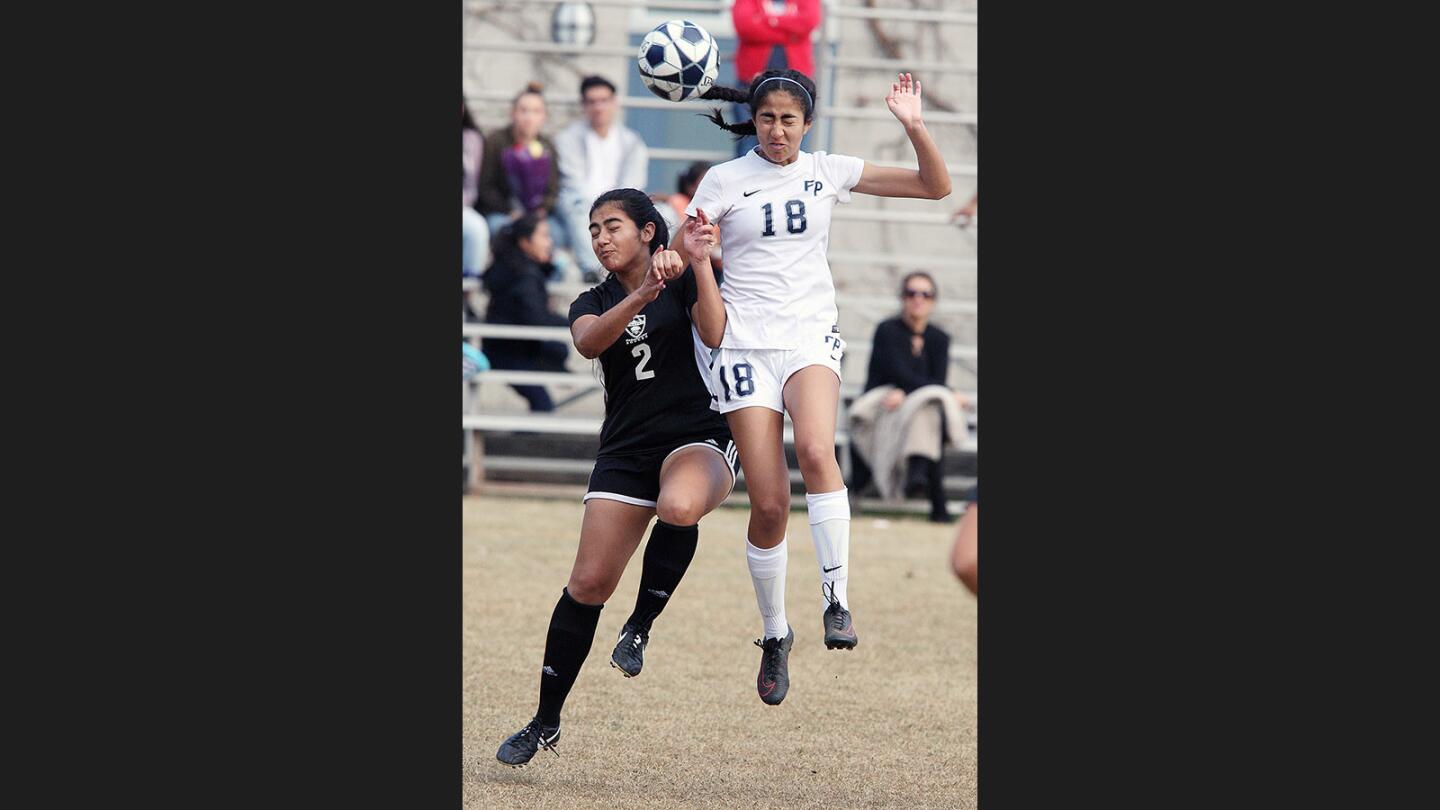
{"x": 691, "y": 176}
{"x": 508, "y": 239}
{"x": 466, "y": 120}
{"x": 756, "y": 95}
{"x": 641, "y": 209}
{"x": 905, "y": 282}
{"x": 595, "y": 81}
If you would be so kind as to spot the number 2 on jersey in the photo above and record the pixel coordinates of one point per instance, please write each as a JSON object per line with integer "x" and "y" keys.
{"x": 795, "y": 221}
{"x": 642, "y": 351}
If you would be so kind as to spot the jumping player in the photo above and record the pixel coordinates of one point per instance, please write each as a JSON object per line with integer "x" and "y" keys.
{"x": 781, "y": 349}
{"x": 663, "y": 449}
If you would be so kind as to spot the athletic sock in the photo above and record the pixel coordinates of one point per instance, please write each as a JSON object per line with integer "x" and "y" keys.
{"x": 667, "y": 555}
{"x": 830, "y": 529}
{"x": 767, "y": 572}
{"x": 572, "y": 628}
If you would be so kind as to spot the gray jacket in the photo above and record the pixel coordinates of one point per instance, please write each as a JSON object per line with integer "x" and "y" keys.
{"x": 570, "y": 149}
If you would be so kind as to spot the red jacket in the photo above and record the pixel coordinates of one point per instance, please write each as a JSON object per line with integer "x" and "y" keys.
{"x": 758, "y": 31}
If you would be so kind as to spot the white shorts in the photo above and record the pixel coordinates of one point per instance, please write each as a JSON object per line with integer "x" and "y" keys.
{"x": 743, "y": 378}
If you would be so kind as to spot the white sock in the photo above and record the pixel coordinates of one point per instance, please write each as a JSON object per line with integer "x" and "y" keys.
{"x": 767, "y": 572}
{"x": 830, "y": 529}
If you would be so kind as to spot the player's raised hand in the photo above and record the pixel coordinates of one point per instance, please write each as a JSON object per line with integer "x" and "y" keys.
{"x": 904, "y": 99}
{"x": 699, "y": 235}
{"x": 667, "y": 263}
{"x": 650, "y": 288}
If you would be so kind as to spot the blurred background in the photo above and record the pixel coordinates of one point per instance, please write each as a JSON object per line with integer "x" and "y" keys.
{"x": 531, "y": 428}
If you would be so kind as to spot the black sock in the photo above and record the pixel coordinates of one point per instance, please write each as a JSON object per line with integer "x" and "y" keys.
{"x": 936, "y": 485}
{"x": 667, "y": 555}
{"x": 572, "y": 628}
{"x": 916, "y": 475}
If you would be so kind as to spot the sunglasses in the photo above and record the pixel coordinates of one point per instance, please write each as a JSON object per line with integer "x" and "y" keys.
{"x": 917, "y": 294}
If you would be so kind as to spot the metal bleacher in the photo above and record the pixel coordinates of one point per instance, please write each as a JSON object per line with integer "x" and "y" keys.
{"x": 508, "y": 42}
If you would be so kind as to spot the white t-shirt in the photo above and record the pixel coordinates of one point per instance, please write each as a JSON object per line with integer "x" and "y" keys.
{"x": 602, "y": 161}
{"x": 774, "y": 230}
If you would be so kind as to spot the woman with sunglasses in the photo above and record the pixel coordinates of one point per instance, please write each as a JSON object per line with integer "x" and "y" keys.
{"x": 910, "y": 353}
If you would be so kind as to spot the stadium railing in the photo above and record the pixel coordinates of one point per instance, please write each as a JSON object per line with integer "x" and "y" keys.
{"x": 476, "y": 423}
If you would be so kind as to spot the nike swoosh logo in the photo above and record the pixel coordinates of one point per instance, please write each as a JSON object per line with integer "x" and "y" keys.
{"x": 748, "y": 193}
{"x": 828, "y": 570}
{"x": 768, "y": 688}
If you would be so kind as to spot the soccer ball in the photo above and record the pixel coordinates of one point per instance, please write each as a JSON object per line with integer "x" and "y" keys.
{"x": 679, "y": 60}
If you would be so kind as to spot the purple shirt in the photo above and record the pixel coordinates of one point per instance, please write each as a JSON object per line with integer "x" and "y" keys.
{"x": 527, "y": 174}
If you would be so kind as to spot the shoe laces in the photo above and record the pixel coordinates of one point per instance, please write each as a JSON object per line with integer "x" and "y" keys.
{"x": 770, "y": 660}
{"x": 835, "y": 614}
{"x": 533, "y": 730}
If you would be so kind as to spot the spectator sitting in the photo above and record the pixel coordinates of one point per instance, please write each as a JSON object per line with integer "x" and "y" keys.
{"x": 685, "y": 186}
{"x": 906, "y": 415}
{"x": 520, "y": 172}
{"x": 474, "y": 231}
{"x": 516, "y": 284}
{"x": 596, "y": 154}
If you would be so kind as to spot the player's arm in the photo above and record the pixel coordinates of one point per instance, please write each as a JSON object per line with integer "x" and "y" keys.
{"x": 593, "y": 334}
{"x": 677, "y": 243}
{"x": 965, "y": 556}
{"x": 708, "y": 313}
{"x": 932, "y": 181}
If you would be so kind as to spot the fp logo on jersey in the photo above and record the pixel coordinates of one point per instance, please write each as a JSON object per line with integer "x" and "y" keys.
{"x": 636, "y": 327}
{"x": 816, "y": 183}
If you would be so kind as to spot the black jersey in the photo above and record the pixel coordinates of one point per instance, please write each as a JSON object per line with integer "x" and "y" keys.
{"x": 654, "y": 392}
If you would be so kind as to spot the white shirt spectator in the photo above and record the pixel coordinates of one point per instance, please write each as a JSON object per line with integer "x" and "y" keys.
{"x": 602, "y": 162}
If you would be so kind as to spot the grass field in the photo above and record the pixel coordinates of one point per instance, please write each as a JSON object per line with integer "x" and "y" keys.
{"x": 889, "y": 724}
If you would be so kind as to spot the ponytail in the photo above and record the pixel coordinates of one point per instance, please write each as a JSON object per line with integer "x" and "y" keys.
{"x": 721, "y": 93}
{"x": 797, "y": 84}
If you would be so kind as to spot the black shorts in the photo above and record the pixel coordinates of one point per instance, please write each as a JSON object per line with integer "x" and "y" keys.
{"x": 635, "y": 478}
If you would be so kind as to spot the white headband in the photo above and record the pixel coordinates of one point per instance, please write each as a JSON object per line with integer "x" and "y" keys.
{"x": 792, "y": 81}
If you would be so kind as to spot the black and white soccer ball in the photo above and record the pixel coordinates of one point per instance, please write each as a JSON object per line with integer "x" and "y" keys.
{"x": 679, "y": 60}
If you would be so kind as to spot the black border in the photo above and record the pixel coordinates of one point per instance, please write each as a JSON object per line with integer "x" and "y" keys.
{"x": 266, "y": 554}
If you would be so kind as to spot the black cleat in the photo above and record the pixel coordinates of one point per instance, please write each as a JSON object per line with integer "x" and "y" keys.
{"x": 839, "y": 632}
{"x": 774, "y": 679}
{"x": 522, "y": 745}
{"x": 629, "y": 655}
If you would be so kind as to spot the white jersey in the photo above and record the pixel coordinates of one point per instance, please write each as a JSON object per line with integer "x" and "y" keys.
{"x": 774, "y": 231}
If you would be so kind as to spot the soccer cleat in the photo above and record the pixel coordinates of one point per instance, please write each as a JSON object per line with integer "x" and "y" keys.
{"x": 522, "y": 745}
{"x": 839, "y": 632}
{"x": 629, "y": 655}
{"x": 774, "y": 679}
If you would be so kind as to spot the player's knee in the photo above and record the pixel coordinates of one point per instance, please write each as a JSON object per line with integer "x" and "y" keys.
{"x": 589, "y": 587}
{"x": 815, "y": 457}
{"x": 679, "y": 508}
{"x": 771, "y": 511}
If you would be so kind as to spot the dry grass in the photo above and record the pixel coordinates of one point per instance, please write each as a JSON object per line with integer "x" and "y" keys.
{"x": 889, "y": 724}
